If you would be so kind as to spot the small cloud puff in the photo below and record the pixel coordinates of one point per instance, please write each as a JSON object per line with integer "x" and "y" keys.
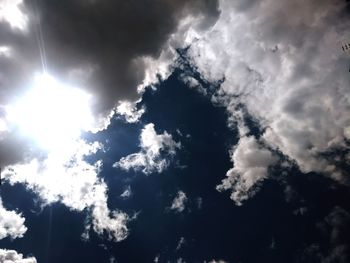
{"x": 151, "y": 158}
{"x": 178, "y": 204}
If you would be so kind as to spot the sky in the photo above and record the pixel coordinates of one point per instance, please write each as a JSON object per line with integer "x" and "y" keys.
{"x": 174, "y": 131}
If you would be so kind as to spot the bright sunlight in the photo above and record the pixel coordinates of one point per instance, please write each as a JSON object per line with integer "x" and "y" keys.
{"x": 51, "y": 113}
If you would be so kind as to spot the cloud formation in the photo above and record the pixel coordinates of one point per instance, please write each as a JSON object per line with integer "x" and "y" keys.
{"x": 155, "y": 148}
{"x": 12, "y": 256}
{"x": 68, "y": 178}
{"x": 288, "y": 71}
{"x": 11, "y": 224}
{"x": 110, "y": 49}
{"x": 179, "y": 202}
{"x": 251, "y": 162}
{"x": 99, "y": 44}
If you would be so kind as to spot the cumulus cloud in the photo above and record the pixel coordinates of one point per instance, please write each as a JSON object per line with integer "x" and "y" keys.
{"x": 251, "y": 162}
{"x": 68, "y": 178}
{"x": 12, "y": 256}
{"x": 179, "y": 202}
{"x": 288, "y": 70}
{"x": 11, "y": 224}
{"x": 154, "y": 151}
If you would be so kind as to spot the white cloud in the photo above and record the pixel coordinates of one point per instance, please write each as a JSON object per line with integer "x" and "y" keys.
{"x": 289, "y": 71}
{"x": 66, "y": 177}
{"x": 112, "y": 223}
{"x": 129, "y": 111}
{"x": 11, "y": 224}
{"x": 153, "y": 148}
{"x": 12, "y": 256}
{"x": 251, "y": 162}
{"x": 179, "y": 202}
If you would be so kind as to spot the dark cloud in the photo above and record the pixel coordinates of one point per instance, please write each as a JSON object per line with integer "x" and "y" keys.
{"x": 96, "y": 43}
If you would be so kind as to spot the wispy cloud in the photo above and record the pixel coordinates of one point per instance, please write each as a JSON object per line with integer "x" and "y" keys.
{"x": 179, "y": 202}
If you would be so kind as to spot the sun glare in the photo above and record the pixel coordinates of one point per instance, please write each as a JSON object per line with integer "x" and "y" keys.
{"x": 11, "y": 12}
{"x": 51, "y": 113}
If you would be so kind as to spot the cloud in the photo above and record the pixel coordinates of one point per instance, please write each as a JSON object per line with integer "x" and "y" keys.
{"x": 10, "y": 13}
{"x": 129, "y": 111}
{"x": 288, "y": 70}
{"x": 12, "y": 256}
{"x": 11, "y": 224}
{"x": 104, "y": 221}
{"x": 179, "y": 202}
{"x": 154, "y": 150}
{"x": 68, "y": 178}
{"x": 99, "y": 44}
{"x": 110, "y": 49}
{"x": 127, "y": 193}
{"x": 251, "y": 162}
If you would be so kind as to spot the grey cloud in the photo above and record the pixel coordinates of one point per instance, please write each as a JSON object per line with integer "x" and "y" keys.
{"x": 94, "y": 43}
{"x": 251, "y": 162}
{"x": 100, "y": 46}
{"x": 179, "y": 202}
{"x": 288, "y": 70}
